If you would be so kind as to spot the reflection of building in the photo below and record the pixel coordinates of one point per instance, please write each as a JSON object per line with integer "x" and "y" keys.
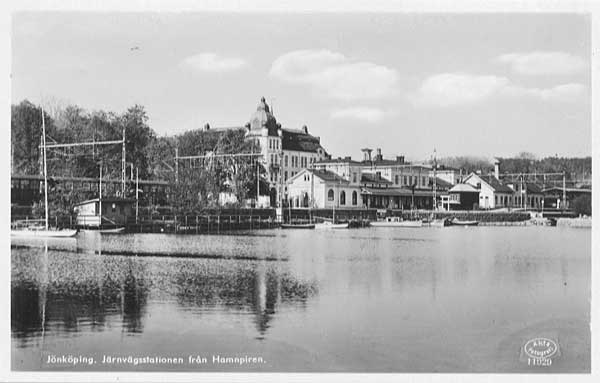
{"x": 285, "y": 151}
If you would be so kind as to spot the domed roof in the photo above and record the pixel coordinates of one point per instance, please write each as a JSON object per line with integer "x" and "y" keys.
{"x": 263, "y": 118}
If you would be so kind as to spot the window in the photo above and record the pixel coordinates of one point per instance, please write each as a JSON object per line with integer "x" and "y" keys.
{"x": 285, "y": 160}
{"x": 354, "y": 177}
{"x": 342, "y": 198}
{"x": 409, "y": 180}
{"x": 424, "y": 181}
{"x": 354, "y": 198}
{"x": 496, "y": 200}
{"x": 396, "y": 179}
{"x": 285, "y": 175}
{"x": 330, "y": 195}
{"x": 405, "y": 180}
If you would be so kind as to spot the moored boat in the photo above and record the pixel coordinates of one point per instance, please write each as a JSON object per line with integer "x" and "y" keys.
{"x": 397, "y": 222}
{"x": 297, "y": 225}
{"x": 459, "y": 222}
{"x": 329, "y": 225}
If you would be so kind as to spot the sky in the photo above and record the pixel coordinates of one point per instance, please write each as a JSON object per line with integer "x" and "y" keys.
{"x": 460, "y": 84}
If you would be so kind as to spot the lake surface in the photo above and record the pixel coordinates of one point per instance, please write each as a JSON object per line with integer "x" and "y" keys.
{"x": 366, "y": 300}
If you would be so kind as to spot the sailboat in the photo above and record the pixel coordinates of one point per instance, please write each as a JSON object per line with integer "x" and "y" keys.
{"x": 34, "y": 228}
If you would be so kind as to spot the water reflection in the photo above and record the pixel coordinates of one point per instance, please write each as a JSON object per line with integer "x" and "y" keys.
{"x": 371, "y": 300}
{"x": 88, "y": 293}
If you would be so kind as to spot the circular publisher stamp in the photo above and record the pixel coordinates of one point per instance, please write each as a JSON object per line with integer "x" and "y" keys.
{"x": 540, "y": 352}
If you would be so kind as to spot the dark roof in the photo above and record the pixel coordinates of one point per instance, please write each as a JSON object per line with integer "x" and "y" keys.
{"x": 300, "y": 141}
{"x": 326, "y": 175}
{"x": 338, "y": 161}
{"x": 533, "y": 188}
{"x": 442, "y": 183}
{"x": 371, "y": 178}
{"x": 495, "y": 183}
{"x": 107, "y": 200}
{"x": 396, "y": 192}
{"x": 569, "y": 190}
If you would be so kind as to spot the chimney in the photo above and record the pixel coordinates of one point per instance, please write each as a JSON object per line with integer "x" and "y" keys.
{"x": 379, "y": 157}
{"x": 497, "y": 168}
{"x": 400, "y": 159}
{"x": 367, "y": 154}
{"x": 305, "y": 129}
{"x": 206, "y": 127}
{"x": 348, "y": 158}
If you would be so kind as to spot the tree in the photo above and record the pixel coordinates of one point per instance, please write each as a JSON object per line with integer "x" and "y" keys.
{"x": 582, "y": 205}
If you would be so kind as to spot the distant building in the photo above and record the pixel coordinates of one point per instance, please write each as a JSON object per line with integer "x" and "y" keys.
{"x": 462, "y": 197}
{"x": 285, "y": 151}
{"x": 493, "y": 194}
{"x": 115, "y": 212}
{"x": 322, "y": 189}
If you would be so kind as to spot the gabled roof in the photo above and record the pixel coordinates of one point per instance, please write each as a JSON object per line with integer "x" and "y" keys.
{"x": 493, "y": 182}
{"x": 324, "y": 175}
{"x": 463, "y": 188}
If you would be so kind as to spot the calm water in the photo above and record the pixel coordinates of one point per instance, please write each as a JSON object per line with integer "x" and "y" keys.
{"x": 372, "y": 300}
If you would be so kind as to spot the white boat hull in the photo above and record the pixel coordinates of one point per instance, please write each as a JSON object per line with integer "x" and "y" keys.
{"x": 43, "y": 233}
{"x": 116, "y": 230}
{"x": 397, "y": 224}
{"x": 330, "y": 226}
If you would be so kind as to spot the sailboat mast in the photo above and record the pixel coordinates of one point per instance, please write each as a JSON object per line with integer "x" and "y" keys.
{"x": 45, "y": 168}
{"x": 100, "y": 198}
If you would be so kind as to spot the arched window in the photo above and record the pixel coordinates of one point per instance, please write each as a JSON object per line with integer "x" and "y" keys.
{"x": 354, "y": 198}
{"x": 330, "y": 195}
{"x": 342, "y": 198}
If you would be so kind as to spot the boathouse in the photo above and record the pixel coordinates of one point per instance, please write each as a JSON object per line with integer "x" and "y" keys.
{"x": 115, "y": 212}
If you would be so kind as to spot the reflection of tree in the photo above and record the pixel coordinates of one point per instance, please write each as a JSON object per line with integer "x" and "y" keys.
{"x": 258, "y": 289}
{"x": 134, "y": 297}
{"x": 25, "y": 313}
{"x": 71, "y": 304}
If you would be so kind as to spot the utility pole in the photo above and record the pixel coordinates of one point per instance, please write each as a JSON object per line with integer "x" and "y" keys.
{"x": 100, "y": 196}
{"x": 137, "y": 188}
{"x": 176, "y": 165}
{"x": 564, "y": 204}
{"x": 123, "y": 166}
{"x": 434, "y": 180}
{"x": 45, "y": 168}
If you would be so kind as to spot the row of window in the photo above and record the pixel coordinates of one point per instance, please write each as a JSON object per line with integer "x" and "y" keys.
{"x": 273, "y": 143}
{"x": 331, "y": 194}
{"x": 298, "y": 162}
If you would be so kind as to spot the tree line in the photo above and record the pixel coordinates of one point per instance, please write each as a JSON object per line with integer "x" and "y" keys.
{"x": 198, "y": 187}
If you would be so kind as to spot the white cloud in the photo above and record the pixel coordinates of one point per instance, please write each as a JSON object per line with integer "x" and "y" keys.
{"x": 359, "y": 113}
{"x": 454, "y": 89}
{"x": 450, "y": 89}
{"x": 543, "y": 63}
{"x": 213, "y": 63}
{"x": 334, "y": 75}
{"x": 560, "y": 93}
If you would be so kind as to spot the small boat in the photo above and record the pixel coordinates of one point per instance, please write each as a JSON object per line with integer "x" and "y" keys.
{"x": 397, "y": 222}
{"x": 116, "y": 230}
{"x": 33, "y": 229}
{"x": 297, "y": 225}
{"x": 458, "y": 222}
{"x": 440, "y": 222}
{"x": 330, "y": 225}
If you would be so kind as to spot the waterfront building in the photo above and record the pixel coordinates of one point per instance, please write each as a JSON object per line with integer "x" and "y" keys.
{"x": 313, "y": 188}
{"x": 493, "y": 194}
{"x": 285, "y": 152}
{"x": 527, "y": 195}
{"x": 95, "y": 213}
{"x": 461, "y": 197}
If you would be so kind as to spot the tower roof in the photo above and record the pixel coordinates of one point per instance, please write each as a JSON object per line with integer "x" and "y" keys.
{"x": 263, "y": 118}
